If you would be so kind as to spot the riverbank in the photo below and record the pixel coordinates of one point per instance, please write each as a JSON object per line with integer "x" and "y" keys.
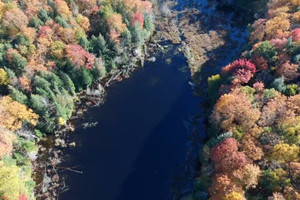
{"x": 251, "y": 100}
{"x": 47, "y": 167}
{"x": 53, "y": 50}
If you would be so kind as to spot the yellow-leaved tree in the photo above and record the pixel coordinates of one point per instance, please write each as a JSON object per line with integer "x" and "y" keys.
{"x": 11, "y": 185}
{"x": 13, "y": 113}
{"x": 285, "y": 153}
{"x": 4, "y": 80}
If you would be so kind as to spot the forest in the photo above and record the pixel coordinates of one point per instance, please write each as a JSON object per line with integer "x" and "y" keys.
{"x": 50, "y": 51}
{"x": 252, "y": 145}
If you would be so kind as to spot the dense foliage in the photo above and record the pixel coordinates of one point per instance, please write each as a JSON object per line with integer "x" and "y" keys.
{"x": 49, "y": 51}
{"x": 252, "y": 151}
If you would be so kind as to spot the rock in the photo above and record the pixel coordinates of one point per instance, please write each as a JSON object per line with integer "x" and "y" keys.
{"x": 95, "y": 91}
{"x": 60, "y": 142}
{"x": 152, "y": 59}
{"x": 136, "y": 52}
{"x": 72, "y": 144}
{"x": 55, "y": 178}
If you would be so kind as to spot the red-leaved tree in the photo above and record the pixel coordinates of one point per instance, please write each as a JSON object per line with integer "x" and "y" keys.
{"x": 242, "y": 69}
{"x": 138, "y": 17}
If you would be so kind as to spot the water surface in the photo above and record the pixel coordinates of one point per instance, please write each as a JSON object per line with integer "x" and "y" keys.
{"x": 140, "y": 141}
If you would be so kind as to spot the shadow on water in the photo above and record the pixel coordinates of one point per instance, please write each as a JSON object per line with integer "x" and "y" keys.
{"x": 141, "y": 140}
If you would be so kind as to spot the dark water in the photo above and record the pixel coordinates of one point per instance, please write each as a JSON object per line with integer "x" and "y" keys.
{"x": 141, "y": 138}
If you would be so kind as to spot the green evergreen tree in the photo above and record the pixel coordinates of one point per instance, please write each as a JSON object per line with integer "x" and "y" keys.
{"x": 35, "y": 22}
{"x": 85, "y": 43}
{"x": 19, "y": 63}
{"x": 43, "y": 15}
{"x": 137, "y": 36}
{"x": 17, "y": 95}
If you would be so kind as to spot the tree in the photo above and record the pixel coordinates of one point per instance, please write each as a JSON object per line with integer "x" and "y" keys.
{"x": 243, "y": 70}
{"x": 79, "y": 56}
{"x": 115, "y": 21}
{"x": 247, "y": 176}
{"x": 17, "y": 61}
{"x": 17, "y": 95}
{"x": 267, "y": 51}
{"x": 99, "y": 45}
{"x": 83, "y": 22}
{"x": 295, "y": 2}
{"x": 43, "y": 16}
{"x": 284, "y": 153}
{"x": 278, "y": 84}
{"x": 259, "y": 86}
{"x": 12, "y": 114}
{"x": 4, "y": 80}
{"x": 148, "y": 23}
{"x": 275, "y": 26}
{"x": 137, "y": 36}
{"x": 275, "y": 179}
{"x": 35, "y": 22}
{"x": 85, "y": 43}
{"x": 288, "y": 70}
{"x": 226, "y": 157}
{"x": 138, "y": 17}
{"x": 223, "y": 149}
{"x": 126, "y": 39}
{"x": 252, "y": 151}
{"x": 234, "y": 196}
{"x": 57, "y": 49}
{"x": 14, "y": 20}
{"x": 23, "y": 197}
{"x": 232, "y": 110}
{"x": 296, "y": 35}
{"x": 62, "y": 21}
{"x": 231, "y": 162}
{"x": 258, "y": 32}
{"x": 294, "y": 103}
{"x": 276, "y": 196}
{"x": 62, "y": 8}
{"x": 7, "y": 139}
{"x": 68, "y": 83}
{"x": 86, "y": 6}
{"x": 11, "y": 185}
{"x": 214, "y": 83}
{"x": 294, "y": 169}
{"x": 222, "y": 185}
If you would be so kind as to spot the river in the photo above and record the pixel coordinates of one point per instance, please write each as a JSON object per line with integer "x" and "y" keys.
{"x": 142, "y": 145}
{"x": 141, "y": 138}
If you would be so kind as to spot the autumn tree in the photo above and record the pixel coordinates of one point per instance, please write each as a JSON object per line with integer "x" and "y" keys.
{"x": 234, "y": 196}
{"x": 4, "y": 80}
{"x": 226, "y": 157}
{"x": 285, "y": 153}
{"x": 275, "y": 26}
{"x": 138, "y": 17}
{"x": 14, "y": 20}
{"x": 11, "y": 185}
{"x": 63, "y": 8}
{"x": 12, "y": 114}
{"x": 7, "y": 139}
{"x": 79, "y": 56}
{"x": 258, "y": 32}
{"x": 223, "y": 149}
{"x": 242, "y": 70}
{"x": 252, "y": 150}
{"x": 222, "y": 186}
{"x": 247, "y": 176}
{"x": 232, "y": 110}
